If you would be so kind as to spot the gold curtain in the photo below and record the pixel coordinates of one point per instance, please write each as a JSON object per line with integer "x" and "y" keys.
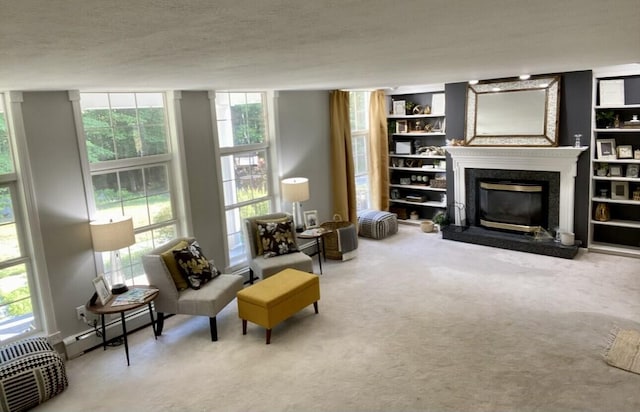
{"x": 378, "y": 151}
{"x": 342, "y": 178}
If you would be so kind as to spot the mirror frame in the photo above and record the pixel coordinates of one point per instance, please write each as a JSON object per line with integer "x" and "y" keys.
{"x": 551, "y": 85}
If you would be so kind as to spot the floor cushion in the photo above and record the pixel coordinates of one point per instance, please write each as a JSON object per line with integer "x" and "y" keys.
{"x": 377, "y": 224}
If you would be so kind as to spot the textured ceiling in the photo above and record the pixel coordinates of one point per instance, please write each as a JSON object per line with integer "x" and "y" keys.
{"x": 321, "y": 44}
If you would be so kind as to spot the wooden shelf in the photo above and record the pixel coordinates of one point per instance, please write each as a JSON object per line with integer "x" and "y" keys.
{"x": 637, "y": 161}
{"x": 618, "y": 223}
{"x": 428, "y": 203}
{"x": 413, "y": 116}
{"x": 617, "y": 178}
{"x": 618, "y": 201}
{"x": 419, "y": 169}
{"x": 619, "y": 130}
{"x": 416, "y": 156}
{"x": 419, "y": 134}
{"x": 614, "y": 249}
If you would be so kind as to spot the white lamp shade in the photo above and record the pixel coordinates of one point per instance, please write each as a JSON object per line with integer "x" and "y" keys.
{"x": 295, "y": 189}
{"x": 113, "y": 234}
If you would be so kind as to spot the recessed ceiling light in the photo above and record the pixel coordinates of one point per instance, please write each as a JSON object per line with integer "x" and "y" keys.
{"x": 495, "y": 89}
{"x": 525, "y": 76}
{"x": 472, "y": 82}
{"x": 543, "y": 85}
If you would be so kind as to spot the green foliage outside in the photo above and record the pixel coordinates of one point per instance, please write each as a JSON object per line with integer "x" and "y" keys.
{"x": 247, "y": 121}
{"x": 21, "y": 303}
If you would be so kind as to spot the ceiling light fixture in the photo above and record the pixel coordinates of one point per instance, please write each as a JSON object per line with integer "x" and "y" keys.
{"x": 525, "y": 76}
{"x": 495, "y": 89}
{"x": 472, "y": 82}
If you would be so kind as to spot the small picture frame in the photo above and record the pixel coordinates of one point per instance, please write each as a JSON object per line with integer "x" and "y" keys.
{"x": 102, "y": 289}
{"x": 606, "y": 149}
{"x": 636, "y": 154}
{"x": 311, "y": 219}
{"x": 399, "y": 108}
{"x": 611, "y": 92}
{"x": 625, "y": 152}
{"x": 619, "y": 190}
{"x": 401, "y": 126}
{"x": 404, "y": 147}
{"x": 615, "y": 170}
{"x": 632, "y": 170}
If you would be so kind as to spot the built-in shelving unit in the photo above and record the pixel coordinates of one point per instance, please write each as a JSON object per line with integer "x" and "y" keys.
{"x": 416, "y": 154}
{"x": 614, "y": 224}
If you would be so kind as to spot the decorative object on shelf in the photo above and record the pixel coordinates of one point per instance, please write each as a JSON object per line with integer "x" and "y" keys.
{"x": 632, "y": 170}
{"x": 403, "y": 147}
{"x": 603, "y": 214}
{"x": 611, "y": 92}
{"x": 414, "y": 215}
{"x": 427, "y": 226}
{"x": 413, "y": 162}
{"x": 567, "y": 238}
{"x": 409, "y": 107}
{"x": 620, "y": 190}
{"x": 427, "y": 109}
{"x": 111, "y": 236}
{"x": 395, "y": 194}
{"x": 438, "y": 126}
{"x": 615, "y": 170}
{"x": 439, "y": 182}
{"x": 405, "y": 181}
{"x": 636, "y": 194}
{"x": 401, "y": 126}
{"x": 417, "y": 109}
{"x": 414, "y": 178}
{"x": 398, "y": 108}
{"x": 604, "y": 193}
{"x": 401, "y": 212}
{"x": 296, "y": 191}
{"x": 604, "y": 119}
{"x": 616, "y": 121}
{"x": 577, "y": 139}
{"x": 455, "y": 142}
{"x": 603, "y": 169}
{"x": 636, "y": 154}
{"x": 633, "y": 123}
{"x": 606, "y": 149}
{"x": 416, "y": 198}
{"x": 625, "y": 151}
{"x": 428, "y": 127}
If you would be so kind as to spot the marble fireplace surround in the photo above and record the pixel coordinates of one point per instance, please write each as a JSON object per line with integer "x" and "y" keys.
{"x": 545, "y": 159}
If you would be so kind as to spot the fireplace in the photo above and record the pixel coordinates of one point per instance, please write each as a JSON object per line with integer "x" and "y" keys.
{"x": 508, "y": 205}
{"x": 491, "y": 210}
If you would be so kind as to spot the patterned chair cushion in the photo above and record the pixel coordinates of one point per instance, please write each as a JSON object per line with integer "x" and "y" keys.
{"x": 31, "y": 372}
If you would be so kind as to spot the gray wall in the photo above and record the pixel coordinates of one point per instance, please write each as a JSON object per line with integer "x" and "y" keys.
{"x": 304, "y": 146}
{"x": 62, "y": 209}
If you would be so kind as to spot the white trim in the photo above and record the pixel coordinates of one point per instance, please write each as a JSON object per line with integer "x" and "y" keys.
{"x": 551, "y": 159}
{"x": 43, "y": 303}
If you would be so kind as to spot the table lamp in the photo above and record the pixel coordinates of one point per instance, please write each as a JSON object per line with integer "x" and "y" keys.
{"x": 296, "y": 190}
{"x": 111, "y": 236}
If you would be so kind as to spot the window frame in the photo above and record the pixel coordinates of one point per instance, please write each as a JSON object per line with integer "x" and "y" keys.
{"x": 366, "y": 135}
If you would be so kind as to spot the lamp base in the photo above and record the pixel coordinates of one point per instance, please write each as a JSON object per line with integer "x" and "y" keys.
{"x": 119, "y": 289}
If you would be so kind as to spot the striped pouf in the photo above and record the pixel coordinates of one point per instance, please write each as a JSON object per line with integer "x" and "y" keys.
{"x": 376, "y": 224}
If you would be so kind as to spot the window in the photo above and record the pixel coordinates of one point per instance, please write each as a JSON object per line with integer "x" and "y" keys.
{"x": 359, "y": 119}
{"x": 17, "y": 308}
{"x": 243, "y": 143}
{"x": 129, "y": 157}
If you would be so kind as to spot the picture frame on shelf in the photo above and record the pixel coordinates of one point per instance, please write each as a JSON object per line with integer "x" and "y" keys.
{"x": 102, "y": 289}
{"x": 619, "y": 190}
{"x": 632, "y": 170}
{"x": 611, "y": 92}
{"x": 606, "y": 149}
{"x": 311, "y": 219}
{"x": 401, "y": 126}
{"x": 437, "y": 103}
{"x": 399, "y": 108}
{"x": 636, "y": 154}
{"x": 615, "y": 171}
{"x": 404, "y": 147}
{"x": 625, "y": 151}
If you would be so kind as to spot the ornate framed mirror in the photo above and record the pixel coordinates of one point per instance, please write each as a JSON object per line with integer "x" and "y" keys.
{"x": 513, "y": 113}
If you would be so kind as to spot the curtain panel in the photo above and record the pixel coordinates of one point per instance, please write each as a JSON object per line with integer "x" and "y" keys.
{"x": 378, "y": 151}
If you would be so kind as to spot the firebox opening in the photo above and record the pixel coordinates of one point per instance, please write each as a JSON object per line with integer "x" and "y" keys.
{"x": 512, "y": 206}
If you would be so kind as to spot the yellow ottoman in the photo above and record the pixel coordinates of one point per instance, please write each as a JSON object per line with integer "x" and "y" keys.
{"x": 276, "y": 298}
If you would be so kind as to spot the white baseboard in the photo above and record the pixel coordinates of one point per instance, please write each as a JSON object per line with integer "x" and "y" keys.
{"x": 78, "y": 344}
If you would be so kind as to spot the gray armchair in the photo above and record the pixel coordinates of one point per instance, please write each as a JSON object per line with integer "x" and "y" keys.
{"x": 206, "y": 301}
{"x": 264, "y": 267}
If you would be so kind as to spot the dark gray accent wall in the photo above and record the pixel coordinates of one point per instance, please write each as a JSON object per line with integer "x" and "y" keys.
{"x": 575, "y": 117}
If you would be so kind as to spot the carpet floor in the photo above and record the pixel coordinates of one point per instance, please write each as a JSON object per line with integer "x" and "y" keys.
{"x": 414, "y": 323}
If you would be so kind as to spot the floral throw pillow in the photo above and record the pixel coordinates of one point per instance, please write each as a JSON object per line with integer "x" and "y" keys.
{"x": 276, "y": 238}
{"x": 194, "y": 266}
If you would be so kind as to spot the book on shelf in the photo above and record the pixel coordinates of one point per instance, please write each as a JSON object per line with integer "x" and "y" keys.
{"x": 133, "y": 295}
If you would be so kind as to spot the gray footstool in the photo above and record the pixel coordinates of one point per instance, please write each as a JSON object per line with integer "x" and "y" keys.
{"x": 377, "y": 224}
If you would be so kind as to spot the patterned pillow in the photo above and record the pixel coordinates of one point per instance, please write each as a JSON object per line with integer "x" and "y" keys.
{"x": 276, "y": 238}
{"x": 276, "y": 220}
{"x": 172, "y": 265}
{"x": 194, "y": 266}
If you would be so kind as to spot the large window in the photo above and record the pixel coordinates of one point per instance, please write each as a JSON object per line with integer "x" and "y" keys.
{"x": 17, "y": 308}
{"x": 130, "y": 164}
{"x": 359, "y": 119}
{"x": 243, "y": 143}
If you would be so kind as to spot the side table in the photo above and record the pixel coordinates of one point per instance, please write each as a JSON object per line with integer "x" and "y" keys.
{"x": 109, "y": 309}
{"x": 319, "y": 238}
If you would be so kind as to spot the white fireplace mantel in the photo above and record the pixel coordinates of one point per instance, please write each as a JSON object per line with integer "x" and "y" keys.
{"x": 551, "y": 159}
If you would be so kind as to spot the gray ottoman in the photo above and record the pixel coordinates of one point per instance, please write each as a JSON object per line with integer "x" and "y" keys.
{"x": 31, "y": 372}
{"x": 377, "y": 224}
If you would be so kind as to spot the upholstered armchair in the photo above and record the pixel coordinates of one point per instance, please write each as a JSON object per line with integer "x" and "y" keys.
{"x": 160, "y": 267}
{"x": 261, "y": 266}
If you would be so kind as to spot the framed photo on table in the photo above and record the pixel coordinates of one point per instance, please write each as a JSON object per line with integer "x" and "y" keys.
{"x": 102, "y": 289}
{"x": 311, "y": 219}
{"x": 606, "y": 149}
